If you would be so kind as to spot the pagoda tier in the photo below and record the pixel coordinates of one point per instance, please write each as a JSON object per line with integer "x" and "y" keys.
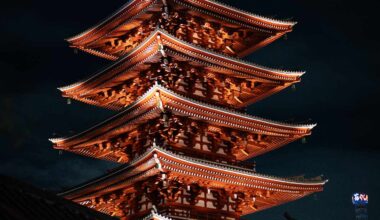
{"x": 182, "y": 187}
{"x": 184, "y": 125}
{"x": 203, "y": 22}
{"x": 184, "y": 68}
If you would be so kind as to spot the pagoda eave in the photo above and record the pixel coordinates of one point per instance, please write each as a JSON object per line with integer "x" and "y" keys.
{"x": 161, "y": 44}
{"x": 262, "y": 44}
{"x": 95, "y": 52}
{"x": 133, "y": 7}
{"x": 127, "y": 12}
{"x": 100, "y": 40}
{"x": 151, "y": 106}
{"x": 268, "y": 191}
{"x": 233, "y": 116}
{"x": 158, "y": 38}
{"x": 268, "y": 94}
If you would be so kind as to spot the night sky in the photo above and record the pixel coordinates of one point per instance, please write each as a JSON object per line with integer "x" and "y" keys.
{"x": 335, "y": 41}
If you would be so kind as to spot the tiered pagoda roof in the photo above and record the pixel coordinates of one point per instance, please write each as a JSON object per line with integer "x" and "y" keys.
{"x": 181, "y": 131}
{"x": 120, "y": 84}
{"x": 263, "y": 135}
{"x": 204, "y": 22}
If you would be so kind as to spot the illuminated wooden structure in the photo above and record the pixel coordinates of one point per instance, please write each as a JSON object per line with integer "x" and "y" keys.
{"x": 181, "y": 130}
{"x": 202, "y": 22}
{"x": 184, "y": 68}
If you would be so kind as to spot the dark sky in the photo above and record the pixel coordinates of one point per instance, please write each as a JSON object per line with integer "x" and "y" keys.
{"x": 336, "y": 42}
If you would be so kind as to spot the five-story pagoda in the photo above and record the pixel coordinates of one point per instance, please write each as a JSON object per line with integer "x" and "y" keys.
{"x": 181, "y": 131}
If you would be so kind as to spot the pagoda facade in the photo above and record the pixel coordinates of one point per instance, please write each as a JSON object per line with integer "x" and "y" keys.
{"x": 181, "y": 131}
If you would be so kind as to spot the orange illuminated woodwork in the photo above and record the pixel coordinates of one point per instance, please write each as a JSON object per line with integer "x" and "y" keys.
{"x": 184, "y": 68}
{"x": 181, "y": 132}
{"x": 187, "y": 187}
{"x": 202, "y": 22}
{"x": 183, "y": 124}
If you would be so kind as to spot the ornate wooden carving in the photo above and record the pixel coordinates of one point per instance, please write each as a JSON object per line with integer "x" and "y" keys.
{"x": 185, "y": 135}
{"x": 221, "y": 198}
{"x": 213, "y": 35}
{"x": 169, "y": 193}
{"x": 125, "y": 41}
{"x": 200, "y": 31}
{"x": 186, "y": 79}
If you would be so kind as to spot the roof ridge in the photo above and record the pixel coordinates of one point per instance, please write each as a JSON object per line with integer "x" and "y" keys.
{"x": 233, "y": 111}
{"x": 229, "y": 167}
{"x": 217, "y": 53}
{"x": 268, "y": 19}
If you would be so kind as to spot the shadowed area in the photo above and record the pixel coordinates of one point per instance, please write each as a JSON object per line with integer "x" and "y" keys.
{"x": 39, "y": 204}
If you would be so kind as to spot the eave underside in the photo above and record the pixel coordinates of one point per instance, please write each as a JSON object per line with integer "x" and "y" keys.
{"x": 242, "y": 191}
{"x": 106, "y": 139}
{"x": 194, "y": 21}
{"x": 183, "y": 68}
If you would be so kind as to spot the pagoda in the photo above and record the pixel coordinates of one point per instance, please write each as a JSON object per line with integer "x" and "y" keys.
{"x": 181, "y": 132}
